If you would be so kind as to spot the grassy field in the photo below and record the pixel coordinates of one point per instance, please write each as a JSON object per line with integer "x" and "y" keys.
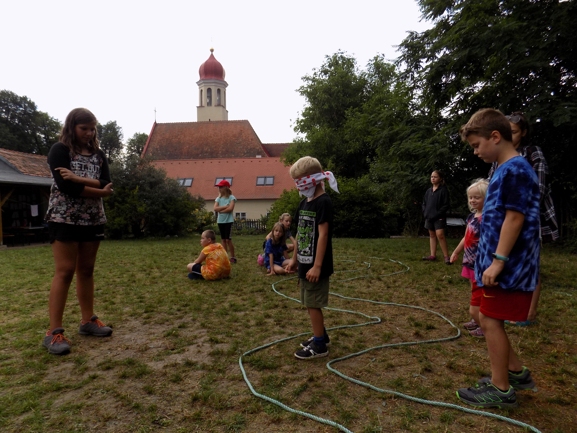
{"x": 172, "y": 364}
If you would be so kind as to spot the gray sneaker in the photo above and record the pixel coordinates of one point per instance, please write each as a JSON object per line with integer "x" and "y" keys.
{"x": 519, "y": 382}
{"x": 488, "y": 395}
{"x": 56, "y": 342}
{"x": 95, "y": 327}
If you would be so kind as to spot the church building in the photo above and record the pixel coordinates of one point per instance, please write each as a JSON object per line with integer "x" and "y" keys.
{"x": 200, "y": 154}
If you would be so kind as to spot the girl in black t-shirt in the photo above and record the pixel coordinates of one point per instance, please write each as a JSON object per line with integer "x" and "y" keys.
{"x": 76, "y": 220}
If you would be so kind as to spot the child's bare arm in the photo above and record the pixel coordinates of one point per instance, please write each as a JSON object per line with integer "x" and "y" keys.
{"x": 314, "y": 273}
{"x": 510, "y": 231}
{"x": 292, "y": 264}
{"x": 228, "y": 208}
{"x": 201, "y": 258}
{"x": 458, "y": 250}
{"x": 271, "y": 262}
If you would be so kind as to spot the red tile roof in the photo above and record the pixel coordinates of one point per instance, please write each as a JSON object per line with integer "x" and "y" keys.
{"x": 27, "y": 163}
{"x": 203, "y": 140}
{"x": 275, "y": 150}
{"x": 243, "y": 172}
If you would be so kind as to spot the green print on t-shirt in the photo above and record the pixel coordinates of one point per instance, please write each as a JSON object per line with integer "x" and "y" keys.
{"x": 306, "y": 237}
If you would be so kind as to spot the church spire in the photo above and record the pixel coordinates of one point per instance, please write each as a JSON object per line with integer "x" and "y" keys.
{"x": 211, "y": 91}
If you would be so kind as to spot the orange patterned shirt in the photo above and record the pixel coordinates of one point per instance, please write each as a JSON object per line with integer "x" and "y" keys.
{"x": 217, "y": 264}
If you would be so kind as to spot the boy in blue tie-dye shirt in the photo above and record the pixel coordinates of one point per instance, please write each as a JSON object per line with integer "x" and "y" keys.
{"x": 507, "y": 264}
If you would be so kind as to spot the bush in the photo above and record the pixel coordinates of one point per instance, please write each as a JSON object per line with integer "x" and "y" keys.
{"x": 288, "y": 202}
{"x": 360, "y": 211}
{"x": 146, "y": 202}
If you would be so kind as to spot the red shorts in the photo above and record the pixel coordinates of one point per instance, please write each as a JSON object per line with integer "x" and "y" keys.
{"x": 476, "y": 294}
{"x": 505, "y": 304}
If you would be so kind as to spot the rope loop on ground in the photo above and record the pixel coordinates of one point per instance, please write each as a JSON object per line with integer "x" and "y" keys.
{"x": 371, "y": 320}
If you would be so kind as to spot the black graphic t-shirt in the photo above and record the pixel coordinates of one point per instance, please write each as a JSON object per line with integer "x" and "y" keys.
{"x": 65, "y": 204}
{"x": 308, "y": 216}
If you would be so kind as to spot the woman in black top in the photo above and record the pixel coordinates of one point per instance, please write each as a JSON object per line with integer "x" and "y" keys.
{"x": 435, "y": 206}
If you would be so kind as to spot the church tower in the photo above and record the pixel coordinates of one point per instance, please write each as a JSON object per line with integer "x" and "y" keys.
{"x": 211, "y": 91}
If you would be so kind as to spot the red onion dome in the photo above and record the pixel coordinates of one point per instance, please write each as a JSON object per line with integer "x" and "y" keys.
{"x": 211, "y": 69}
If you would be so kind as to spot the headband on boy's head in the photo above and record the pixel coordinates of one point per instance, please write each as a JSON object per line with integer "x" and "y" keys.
{"x": 307, "y": 184}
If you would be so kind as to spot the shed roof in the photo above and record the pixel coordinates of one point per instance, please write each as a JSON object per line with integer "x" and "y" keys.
{"x": 24, "y": 168}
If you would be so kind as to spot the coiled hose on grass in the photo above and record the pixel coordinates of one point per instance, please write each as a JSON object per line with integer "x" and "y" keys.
{"x": 371, "y": 320}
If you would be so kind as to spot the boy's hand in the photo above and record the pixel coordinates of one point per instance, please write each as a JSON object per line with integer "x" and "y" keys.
{"x": 291, "y": 266}
{"x": 490, "y": 275}
{"x": 313, "y": 274}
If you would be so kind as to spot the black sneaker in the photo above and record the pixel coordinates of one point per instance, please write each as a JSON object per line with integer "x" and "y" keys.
{"x": 310, "y": 340}
{"x": 56, "y": 342}
{"x": 95, "y": 327}
{"x": 518, "y": 381}
{"x": 488, "y": 395}
{"x": 312, "y": 351}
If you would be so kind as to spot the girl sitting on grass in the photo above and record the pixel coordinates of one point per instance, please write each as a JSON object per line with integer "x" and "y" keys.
{"x": 275, "y": 251}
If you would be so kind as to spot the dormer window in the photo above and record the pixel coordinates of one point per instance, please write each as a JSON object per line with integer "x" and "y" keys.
{"x": 264, "y": 180}
{"x": 186, "y": 182}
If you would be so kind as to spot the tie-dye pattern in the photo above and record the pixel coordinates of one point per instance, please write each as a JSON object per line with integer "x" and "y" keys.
{"x": 514, "y": 186}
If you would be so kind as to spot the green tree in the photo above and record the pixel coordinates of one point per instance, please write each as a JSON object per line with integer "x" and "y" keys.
{"x": 23, "y": 127}
{"x": 378, "y": 131}
{"x": 146, "y": 202}
{"x": 135, "y": 144}
{"x": 47, "y": 132}
{"x": 511, "y": 55}
{"x": 110, "y": 136}
{"x": 331, "y": 92}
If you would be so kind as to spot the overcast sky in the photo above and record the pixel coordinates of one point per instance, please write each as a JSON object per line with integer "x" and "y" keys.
{"x": 123, "y": 59}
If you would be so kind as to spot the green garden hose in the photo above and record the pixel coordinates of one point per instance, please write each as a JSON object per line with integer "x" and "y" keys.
{"x": 371, "y": 320}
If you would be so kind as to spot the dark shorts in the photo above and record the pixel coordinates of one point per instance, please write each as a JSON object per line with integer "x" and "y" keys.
{"x": 505, "y": 304}
{"x": 315, "y": 295}
{"x": 196, "y": 274}
{"x": 225, "y": 230}
{"x": 75, "y": 233}
{"x": 436, "y": 224}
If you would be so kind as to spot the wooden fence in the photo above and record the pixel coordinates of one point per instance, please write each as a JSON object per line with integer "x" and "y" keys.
{"x": 256, "y": 226}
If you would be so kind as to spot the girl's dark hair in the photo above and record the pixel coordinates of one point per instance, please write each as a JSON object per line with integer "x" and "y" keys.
{"x": 519, "y": 119}
{"x": 282, "y": 240}
{"x": 441, "y": 175}
{"x": 78, "y": 116}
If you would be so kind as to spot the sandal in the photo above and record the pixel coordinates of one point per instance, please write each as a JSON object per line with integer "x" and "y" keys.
{"x": 429, "y": 258}
{"x": 471, "y": 325}
{"x": 477, "y": 333}
{"x": 448, "y": 260}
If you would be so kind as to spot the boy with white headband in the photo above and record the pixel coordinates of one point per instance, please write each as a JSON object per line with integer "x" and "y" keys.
{"x": 314, "y": 250}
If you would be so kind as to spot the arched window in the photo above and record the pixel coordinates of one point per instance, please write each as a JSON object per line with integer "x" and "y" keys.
{"x": 209, "y": 97}
{"x": 217, "y": 96}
